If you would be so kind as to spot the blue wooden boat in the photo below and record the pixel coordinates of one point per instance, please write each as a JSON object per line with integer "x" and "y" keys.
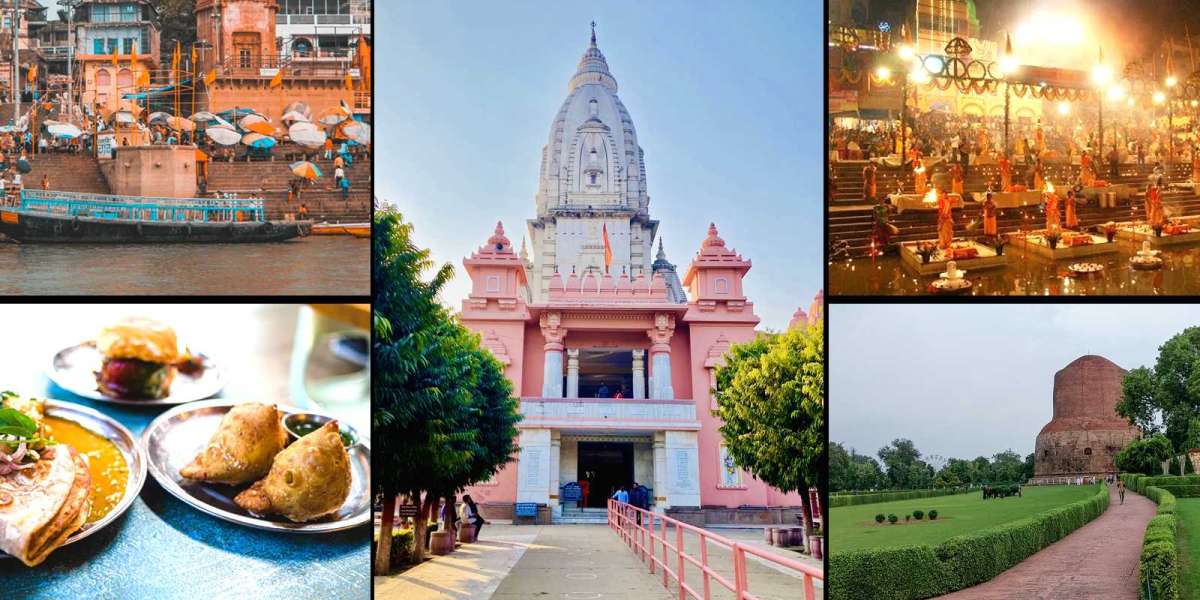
{"x": 52, "y": 216}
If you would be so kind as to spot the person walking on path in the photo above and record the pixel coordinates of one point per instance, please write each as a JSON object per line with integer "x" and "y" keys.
{"x": 1121, "y": 489}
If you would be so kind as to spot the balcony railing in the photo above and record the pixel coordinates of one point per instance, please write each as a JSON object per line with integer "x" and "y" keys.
{"x": 608, "y": 413}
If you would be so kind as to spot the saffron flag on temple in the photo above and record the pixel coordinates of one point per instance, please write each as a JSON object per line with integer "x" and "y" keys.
{"x": 349, "y": 83}
{"x": 144, "y": 79}
{"x": 192, "y": 66}
{"x": 116, "y": 55}
{"x": 607, "y": 248}
{"x": 33, "y": 74}
{"x": 210, "y": 77}
{"x": 133, "y": 59}
{"x": 277, "y": 80}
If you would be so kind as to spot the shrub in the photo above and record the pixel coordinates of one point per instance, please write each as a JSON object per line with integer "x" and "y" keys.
{"x": 1158, "y": 566}
{"x": 932, "y": 515}
{"x": 1145, "y": 455}
{"x": 907, "y": 518}
{"x": 892, "y": 519}
{"x": 879, "y": 518}
{"x": 402, "y": 540}
{"x": 891, "y": 496}
{"x": 923, "y": 571}
{"x": 918, "y": 514}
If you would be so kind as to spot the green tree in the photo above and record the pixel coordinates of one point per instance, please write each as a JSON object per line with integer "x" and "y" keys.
{"x": 443, "y": 414}
{"x": 1168, "y": 393}
{"x": 1144, "y": 456}
{"x": 898, "y": 459}
{"x": 770, "y": 396}
{"x": 1028, "y": 472}
{"x": 177, "y": 21}
{"x": 865, "y": 473}
{"x": 840, "y": 468}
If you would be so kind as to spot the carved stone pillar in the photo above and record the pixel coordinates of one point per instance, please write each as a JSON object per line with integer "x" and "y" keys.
{"x": 639, "y": 374}
{"x": 552, "y": 373}
{"x": 573, "y": 372}
{"x": 555, "y": 450}
{"x": 660, "y": 472}
{"x": 660, "y": 357}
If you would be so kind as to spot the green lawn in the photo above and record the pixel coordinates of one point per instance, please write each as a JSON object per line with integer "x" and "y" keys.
{"x": 1188, "y": 512}
{"x": 854, "y": 527}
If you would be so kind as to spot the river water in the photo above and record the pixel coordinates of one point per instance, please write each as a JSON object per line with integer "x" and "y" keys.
{"x": 1027, "y": 274}
{"x": 316, "y": 265}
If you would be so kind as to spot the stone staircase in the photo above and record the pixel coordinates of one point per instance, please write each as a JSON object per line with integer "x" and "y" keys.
{"x": 67, "y": 172}
{"x": 850, "y": 219}
{"x": 270, "y": 179}
{"x": 582, "y": 516}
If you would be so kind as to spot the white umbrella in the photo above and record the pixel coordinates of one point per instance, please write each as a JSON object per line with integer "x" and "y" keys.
{"x": 294, "y": 117}
{"x": 123, "y": 116}
{"x": 299, "y": 107}
{"x": 205, "y": 117}
{"x": 158, "y": 118}
{"x": 307, "y": 135}
{"x": 64, "y": 130}
{"x": 224, "y": 135}
{"x": 332, "y": 116}
{"x": 252, "y": 118}
{"x": 358, "y": 131}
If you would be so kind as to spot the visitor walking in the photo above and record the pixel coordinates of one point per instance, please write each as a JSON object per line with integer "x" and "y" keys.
{"x": 345, "y": 185}
{"x": 471, "y": 514}
{"x": 45, "y": 182}
{"x": 1121, "y": 490}
{"x": 621, "y": 495}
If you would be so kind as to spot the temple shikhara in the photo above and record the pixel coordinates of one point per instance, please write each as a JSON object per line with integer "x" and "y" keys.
{"x": 611, "y": 349}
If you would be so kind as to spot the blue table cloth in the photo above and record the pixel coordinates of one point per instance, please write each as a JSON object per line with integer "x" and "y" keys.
{"x": 164, "y": 548}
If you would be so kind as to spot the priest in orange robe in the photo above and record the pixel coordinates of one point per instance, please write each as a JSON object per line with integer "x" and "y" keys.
{"x": 1086, "y": 174}
{"x": 1154, "y": 208}
{"x": 1039, "y": 175}
{"x": 956, "y": 178}
{"x": 1053, "y": 218}
{"x": 1072, "y": 219}
{"x": 989, "y": 216}
{"x": 1039, "y": 138}
{"x": 919, "y": 176}
{"x": 1195, "y": 164}
{"x": 869, "y": 187}
{"x": 1005, "y": 174}
{"x": 945, "y": 221}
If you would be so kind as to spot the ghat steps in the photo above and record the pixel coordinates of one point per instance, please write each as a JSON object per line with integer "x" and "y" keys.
{"x": 850, "y": 219}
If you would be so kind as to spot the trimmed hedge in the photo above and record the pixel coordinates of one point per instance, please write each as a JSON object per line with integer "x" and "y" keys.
{"x": 876, "y": 497}
{"x": 912, "y": 572}
{"x": 1139, "y": 483}
{"x": 1158, "y": 567}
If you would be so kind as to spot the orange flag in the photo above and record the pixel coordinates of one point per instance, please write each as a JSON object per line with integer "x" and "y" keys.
{"x": 349, "y": 83}
{"x": 144, "y": 79}
{"x": 33, "y": 74}
{"x": 193, "y": 65}
{"x": 364, "y": 62}
{"x": 116, "y": 54}
{"x": 277, "y": 80}
{"x": 133, "y": 59}
{"x": 210, "y": 77}
{"x": 607, "y": 248}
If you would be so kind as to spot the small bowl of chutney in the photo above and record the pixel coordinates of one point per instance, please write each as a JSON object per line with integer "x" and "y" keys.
{"x": 301, "y": 424}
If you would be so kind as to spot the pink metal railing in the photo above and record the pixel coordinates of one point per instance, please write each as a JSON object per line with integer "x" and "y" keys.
{"x": 642, "y": 539}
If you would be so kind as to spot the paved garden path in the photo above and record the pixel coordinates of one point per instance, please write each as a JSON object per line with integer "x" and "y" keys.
{"x": 1098, "y": 560}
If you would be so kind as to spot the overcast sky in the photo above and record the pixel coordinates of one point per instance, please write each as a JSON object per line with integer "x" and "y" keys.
{"x": 968, "y": 380}
{"x": 725, "y": 97}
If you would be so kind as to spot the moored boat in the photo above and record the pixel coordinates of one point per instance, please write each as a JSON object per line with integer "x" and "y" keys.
{"x": 359, "y": 230}
{"x": 52, "y": 216}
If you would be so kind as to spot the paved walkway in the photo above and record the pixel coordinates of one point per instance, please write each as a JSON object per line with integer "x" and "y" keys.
{"x": 571, "y": 562}
{"x": 470, "y": 572}
{"x": 1098, "y": 560}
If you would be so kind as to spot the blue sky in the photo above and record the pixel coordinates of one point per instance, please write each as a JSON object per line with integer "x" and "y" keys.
{"x": 969, "y": 380}
{"x": 726, "y": 99}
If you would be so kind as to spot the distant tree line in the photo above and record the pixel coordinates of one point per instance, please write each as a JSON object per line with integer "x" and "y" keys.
{"x": 900, "y": 467}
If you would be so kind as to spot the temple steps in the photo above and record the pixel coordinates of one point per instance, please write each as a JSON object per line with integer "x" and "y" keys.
{"x": 67, "y": 172}
{"x": 586, "y": 516}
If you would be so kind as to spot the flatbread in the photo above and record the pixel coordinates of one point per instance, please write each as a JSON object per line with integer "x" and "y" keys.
{"x": 49, "y": 503}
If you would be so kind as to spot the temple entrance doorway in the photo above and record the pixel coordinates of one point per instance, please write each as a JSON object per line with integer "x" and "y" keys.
{"x": 605, "y": 466}
{"x": 603, "y": 373}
